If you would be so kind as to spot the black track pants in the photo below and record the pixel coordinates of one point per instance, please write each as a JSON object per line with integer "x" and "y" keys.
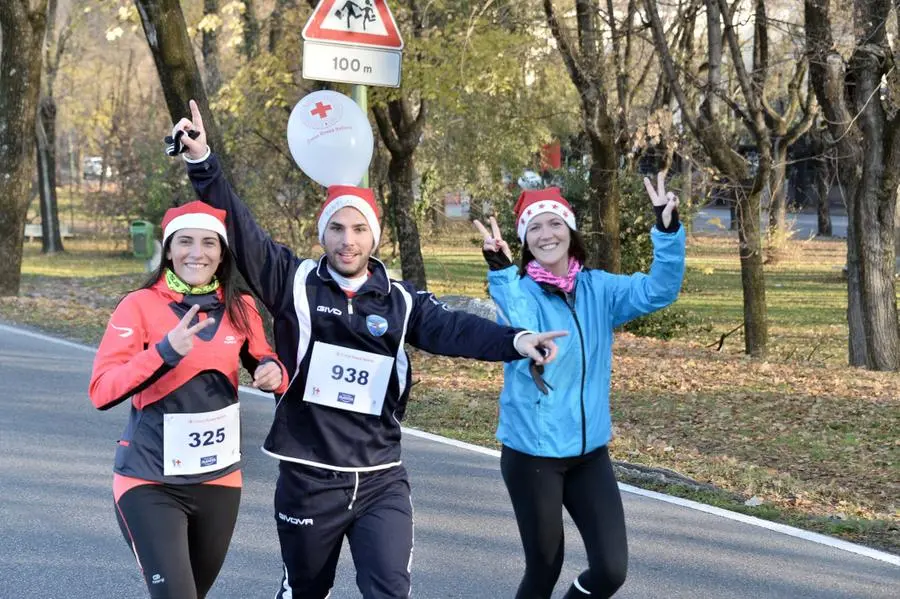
{"x": 179, "y": 534}
{"x": 586, "y": 486}
{"x": 316, "y": 508}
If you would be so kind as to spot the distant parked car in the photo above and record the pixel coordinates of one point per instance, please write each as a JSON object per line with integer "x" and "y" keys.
{"x": 92, "y": 168}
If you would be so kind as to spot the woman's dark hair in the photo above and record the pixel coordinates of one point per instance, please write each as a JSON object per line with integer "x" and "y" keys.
{"x": 228, "y": 282}
{"x": 576, "y": 250}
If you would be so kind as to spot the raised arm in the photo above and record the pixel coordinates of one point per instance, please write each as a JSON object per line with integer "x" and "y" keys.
{"x": 639, "y": 294}
{"x": 267, "y": 266}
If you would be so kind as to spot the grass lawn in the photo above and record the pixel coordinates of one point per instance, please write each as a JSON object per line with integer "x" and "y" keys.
{"x": 815, "y": 440}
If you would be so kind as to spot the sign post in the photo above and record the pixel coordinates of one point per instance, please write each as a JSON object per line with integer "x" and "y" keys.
{"x": 353, "y": 41}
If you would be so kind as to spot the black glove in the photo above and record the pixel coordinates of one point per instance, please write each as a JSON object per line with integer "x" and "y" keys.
{"x": 496, "y": 260}
{"x": 174, "y": 146}
{"x": 673, "y": 226}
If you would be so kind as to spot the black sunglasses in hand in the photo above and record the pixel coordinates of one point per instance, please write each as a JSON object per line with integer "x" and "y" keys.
{"x": 537, "y": 371}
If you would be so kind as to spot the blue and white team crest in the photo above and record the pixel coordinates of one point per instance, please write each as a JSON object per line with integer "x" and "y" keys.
{"x": 378, "y": 326}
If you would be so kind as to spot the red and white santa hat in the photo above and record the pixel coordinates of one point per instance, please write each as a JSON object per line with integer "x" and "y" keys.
{"x": 194, "y": 215}
{"x": 341, "y": 196}
{"x": 538, "y": 201}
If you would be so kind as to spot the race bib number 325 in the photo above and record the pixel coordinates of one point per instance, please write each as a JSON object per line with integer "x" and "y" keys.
{"x": 201, "y": 442}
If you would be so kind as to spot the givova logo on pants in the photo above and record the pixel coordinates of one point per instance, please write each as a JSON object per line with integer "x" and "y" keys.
{"x": 295, "y": 521}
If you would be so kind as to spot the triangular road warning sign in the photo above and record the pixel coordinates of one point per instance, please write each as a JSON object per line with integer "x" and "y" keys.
{"x": 355, "y": 23}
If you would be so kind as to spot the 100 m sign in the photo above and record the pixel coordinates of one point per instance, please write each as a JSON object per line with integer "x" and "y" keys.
{"x": 346, "y": 64}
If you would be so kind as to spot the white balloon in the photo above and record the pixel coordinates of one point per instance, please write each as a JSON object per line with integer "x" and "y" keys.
{"x": 330, "y": 138}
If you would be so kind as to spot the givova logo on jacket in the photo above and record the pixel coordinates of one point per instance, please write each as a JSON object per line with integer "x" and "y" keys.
{"x": 378, "y": 326}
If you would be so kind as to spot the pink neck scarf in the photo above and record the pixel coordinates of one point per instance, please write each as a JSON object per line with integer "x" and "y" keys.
{"x": 542, "y": 275}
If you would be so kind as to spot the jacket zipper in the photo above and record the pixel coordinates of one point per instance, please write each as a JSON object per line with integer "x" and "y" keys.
{"x": 350, "y": 308}
{"x": 583, "y": 370}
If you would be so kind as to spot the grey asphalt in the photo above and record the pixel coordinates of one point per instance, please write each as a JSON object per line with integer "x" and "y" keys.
{"x": 58, "y": 536}
{"x": 804, "y": 225}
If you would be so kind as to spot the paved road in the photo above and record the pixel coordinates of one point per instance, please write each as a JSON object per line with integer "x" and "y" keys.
{"x": 58, "y": 536}
{"x": 715, "y": 219}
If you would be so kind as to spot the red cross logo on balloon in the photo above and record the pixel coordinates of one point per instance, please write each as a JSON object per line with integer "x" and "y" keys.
{"x": 321, "y": 110}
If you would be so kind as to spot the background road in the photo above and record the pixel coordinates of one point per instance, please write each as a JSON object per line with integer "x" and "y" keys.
{"x": 58, "y": 536}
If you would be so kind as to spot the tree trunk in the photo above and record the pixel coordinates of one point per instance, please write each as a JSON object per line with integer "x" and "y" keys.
{"x": 823, "y": 191}
{"x": 250, "y": 47}
{"x": 51, "y": 239}
{"x": 829, "y": 79}
{"x": 401, "y": 131}
{"x": 778, "y": 193}
{"x": 873, "y": 211}
{"x": 603, "y": 242}
{"x": 777, "y": 189}
{"x": 822, "y": 157}
{"x": 400, "y": 176}
{"x": 756, "y": 326}
{"x": 276, "y": 22}
{"x": 22, "y": 25}
{"x": 210, "y": 49}
{"x": 176, "y": 66}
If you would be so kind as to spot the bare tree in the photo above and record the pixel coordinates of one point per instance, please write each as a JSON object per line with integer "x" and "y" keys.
{"x": 585, "y": 64}
{"x": 400, "y": 125}
{"x": 864, "y": 124}
{"x": 45, "y": 130}
{"x": 705, "y": 125}
{"x": 22, "y": 26}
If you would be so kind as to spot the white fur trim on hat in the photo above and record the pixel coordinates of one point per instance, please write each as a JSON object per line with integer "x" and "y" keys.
{"x": 354, "y": 202}
{"x": 540, "y": 207}
{"x": 195, "y": 220}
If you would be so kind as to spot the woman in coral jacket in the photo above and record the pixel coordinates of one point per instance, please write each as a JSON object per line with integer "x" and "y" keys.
{"x": 173, "y": 347}
{"x": 555, "y": 421}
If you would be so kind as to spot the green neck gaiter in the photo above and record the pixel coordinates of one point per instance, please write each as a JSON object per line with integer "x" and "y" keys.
{"x": 179, "y": 286}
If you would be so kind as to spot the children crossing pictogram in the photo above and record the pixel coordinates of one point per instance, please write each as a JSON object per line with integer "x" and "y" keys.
{"x": 354, "y": 22}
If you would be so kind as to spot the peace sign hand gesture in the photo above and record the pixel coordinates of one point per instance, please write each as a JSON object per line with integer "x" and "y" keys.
{"x": 663, "y": 202}
{"x": 181, "y": 338}
{"x": 494, "y": 248}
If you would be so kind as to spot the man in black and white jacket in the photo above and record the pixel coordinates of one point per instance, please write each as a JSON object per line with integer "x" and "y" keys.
{"x": 340, "y": 328}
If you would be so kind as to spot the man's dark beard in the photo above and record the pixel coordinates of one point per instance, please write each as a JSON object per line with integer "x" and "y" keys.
{"x": 342, "y": 270}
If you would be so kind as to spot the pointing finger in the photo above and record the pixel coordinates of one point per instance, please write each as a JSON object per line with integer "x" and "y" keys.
{"x": 195, "y": 115}
{"x": 661, "y": 184}
{"x": 551, "y": 335}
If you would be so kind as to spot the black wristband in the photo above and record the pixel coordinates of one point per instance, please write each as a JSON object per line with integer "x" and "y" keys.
{"x": 496, "y": 260}
{"x": 673, "y": 226}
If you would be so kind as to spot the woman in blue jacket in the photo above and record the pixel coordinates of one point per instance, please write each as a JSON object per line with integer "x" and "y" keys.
{"x": 555, "y": 421}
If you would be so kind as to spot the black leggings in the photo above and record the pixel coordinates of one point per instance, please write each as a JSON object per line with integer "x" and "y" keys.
{"x": 179, "y": 535}
{"x": 586, "y": 486}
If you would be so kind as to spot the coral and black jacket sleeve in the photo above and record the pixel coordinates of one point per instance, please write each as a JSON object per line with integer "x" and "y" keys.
{"x": 125, "y": 364}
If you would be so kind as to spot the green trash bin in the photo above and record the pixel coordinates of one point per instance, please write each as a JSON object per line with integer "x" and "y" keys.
{"x": 142, "y": 239}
